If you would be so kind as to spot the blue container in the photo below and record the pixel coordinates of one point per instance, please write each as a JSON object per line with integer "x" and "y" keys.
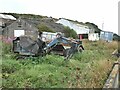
{"x": 107, "y": 36}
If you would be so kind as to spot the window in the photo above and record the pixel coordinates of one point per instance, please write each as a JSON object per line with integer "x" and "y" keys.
{"x": 18, "y": 33}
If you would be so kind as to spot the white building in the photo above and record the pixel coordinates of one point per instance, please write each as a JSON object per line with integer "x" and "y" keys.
{"x": 80, "y": 29}
{"x": 93, "y": 36}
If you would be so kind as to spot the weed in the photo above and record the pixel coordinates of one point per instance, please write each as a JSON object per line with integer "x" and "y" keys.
{"x": 84, "y": 70}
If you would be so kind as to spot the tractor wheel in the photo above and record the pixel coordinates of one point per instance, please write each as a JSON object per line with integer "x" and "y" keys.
{"x": 67, "y": 54}
{"x": 20, "y": 57}
{"x": 80, "y": 49}
{"x": 43, "y": 53}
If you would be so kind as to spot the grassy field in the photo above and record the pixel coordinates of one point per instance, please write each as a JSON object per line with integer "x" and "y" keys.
{"x": 88, "y": 69}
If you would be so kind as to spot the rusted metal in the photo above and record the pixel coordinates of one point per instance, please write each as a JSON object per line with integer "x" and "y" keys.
{"x": 24, "y": 45}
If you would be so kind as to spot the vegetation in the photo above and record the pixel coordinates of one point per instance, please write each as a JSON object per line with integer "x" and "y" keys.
{"x": 44, "y": 28}
{"x": 70, "y": 32}
{"x": 38, "y": 17}
{"x": 87, "y": 69}
{"x": 94, "y": 27}
{"x": 27, "y": 16}
{"x": 116, "y": 37}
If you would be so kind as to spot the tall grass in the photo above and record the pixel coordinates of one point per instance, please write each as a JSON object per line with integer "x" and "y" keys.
{"x": 84, "y": 70}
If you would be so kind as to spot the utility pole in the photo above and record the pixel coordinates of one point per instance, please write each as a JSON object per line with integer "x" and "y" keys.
{"x": 103, "y": 24}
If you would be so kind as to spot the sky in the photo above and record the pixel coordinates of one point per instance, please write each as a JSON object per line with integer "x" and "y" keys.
{"x": 103, "y": 13}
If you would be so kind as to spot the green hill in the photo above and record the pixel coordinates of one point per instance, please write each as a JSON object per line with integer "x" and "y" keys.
{"x": 50, "y": 23}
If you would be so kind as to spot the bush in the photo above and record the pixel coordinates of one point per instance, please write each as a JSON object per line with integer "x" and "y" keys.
{"x": 70, "y": 32}
{"x": 6, "y": 48}
{"x": 44, "y": 28}
{"x": 10, "y": 66}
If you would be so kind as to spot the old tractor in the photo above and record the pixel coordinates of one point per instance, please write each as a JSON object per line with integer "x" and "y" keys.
{"x": 26, "y": 46}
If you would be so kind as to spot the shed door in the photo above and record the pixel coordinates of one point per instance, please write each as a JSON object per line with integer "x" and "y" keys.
{"x": 18, "y": 33}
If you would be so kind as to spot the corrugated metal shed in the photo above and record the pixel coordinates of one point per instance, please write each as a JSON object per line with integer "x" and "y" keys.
{"x": 7, "y": 17}
{"x": 107, "y": 36}
{"x": 80, "y": 29}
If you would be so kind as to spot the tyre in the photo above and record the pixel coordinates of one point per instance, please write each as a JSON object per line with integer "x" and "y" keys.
{"x": 20, "y": 57}
{"x": 80, "y": 48}
{"x": 67, "y": 54}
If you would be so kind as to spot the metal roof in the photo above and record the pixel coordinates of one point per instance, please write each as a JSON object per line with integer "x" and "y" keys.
{"x": 7, "y": 17}
{"x": 80, "y": 29}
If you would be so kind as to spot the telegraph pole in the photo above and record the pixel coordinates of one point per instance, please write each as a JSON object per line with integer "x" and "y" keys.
{"x": 103, "y": 24}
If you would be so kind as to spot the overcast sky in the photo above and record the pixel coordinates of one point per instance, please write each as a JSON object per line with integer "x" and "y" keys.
{"x": 94, "y": 11}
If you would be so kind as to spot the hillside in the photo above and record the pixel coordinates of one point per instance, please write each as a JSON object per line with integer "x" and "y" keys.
{"x": 49, "y": 22}
{"x": 44, "y": 23}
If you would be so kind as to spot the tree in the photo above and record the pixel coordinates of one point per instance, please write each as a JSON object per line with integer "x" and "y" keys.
{"x": 70, "y": 32}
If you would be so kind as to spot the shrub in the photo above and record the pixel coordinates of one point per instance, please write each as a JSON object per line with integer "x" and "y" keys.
{"x": 44, "y": 28}
{"x": 6, "y": 48}
{"x": 10, "y": 66}
{"x": 70, "y": 32}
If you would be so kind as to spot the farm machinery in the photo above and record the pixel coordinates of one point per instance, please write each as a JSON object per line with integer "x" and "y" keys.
{"x": 26, "y": 46}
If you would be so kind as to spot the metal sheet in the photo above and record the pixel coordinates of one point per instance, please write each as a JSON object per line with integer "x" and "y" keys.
{"x": 107, "y": 36}
{"x": 80, "y": 29}
{"x": 7, "y": 17}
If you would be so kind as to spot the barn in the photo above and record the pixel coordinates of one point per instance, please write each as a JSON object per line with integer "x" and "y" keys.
{"x": 81, "y": 30}
{"x": 18, "y": 28}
